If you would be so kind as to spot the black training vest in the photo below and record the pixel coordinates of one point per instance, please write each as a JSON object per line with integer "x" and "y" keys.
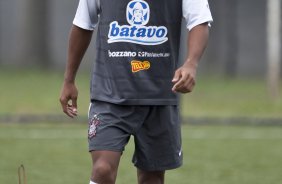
{"x": 137, "y": 52}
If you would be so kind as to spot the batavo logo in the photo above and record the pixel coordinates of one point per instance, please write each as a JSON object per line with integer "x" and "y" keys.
{"x": 138, "y": 16}
{"x": 139, "y": 65}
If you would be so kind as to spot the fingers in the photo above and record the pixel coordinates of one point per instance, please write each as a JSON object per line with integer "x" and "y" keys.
{"x": 177, "y": 76}
{"x": 69, "y": 109}
{"x": 73, "y": 106}
{"x": 187, "y": 88}
{"x": 180, "y": 83}
{"x": 185, "y": 83}
{"x": 177, "y": 80}
{"x": 68, "y": 99}
{"x": 64, "y": 104}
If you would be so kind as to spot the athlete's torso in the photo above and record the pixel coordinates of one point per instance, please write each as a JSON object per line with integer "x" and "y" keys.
{"x": 137, "y": 52}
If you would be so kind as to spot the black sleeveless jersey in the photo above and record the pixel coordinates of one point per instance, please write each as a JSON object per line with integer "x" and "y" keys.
{"x": 137, "y": 52}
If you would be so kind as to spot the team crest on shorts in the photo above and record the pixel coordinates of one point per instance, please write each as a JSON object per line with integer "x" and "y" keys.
{"x": 93, "y": 124}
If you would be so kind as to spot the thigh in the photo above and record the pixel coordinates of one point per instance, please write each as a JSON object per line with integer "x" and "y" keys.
{"x": 158, "y": 141}
{"x": 110, "y": 125}
{"x": 107, "y": 130}
{"x": 111, "y": 157}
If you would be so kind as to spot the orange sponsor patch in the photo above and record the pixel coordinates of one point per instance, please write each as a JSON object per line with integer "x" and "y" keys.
{"x": 139, "y": 65}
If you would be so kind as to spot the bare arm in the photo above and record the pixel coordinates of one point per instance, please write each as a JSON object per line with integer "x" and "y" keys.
{"x": 78, "y": 43}
{"x": 184, "y": 78}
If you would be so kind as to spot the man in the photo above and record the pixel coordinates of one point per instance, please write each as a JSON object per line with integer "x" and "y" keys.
{"x": 135, "y": 80}
{"x": 138, "y": 16}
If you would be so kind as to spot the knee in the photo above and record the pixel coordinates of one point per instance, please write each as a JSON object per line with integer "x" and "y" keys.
{"x": 102, "y": 171}
{"x": 155, "y": 177}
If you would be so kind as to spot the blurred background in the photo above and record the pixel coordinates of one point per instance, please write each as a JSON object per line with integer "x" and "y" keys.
{"x": 231, "y": 122}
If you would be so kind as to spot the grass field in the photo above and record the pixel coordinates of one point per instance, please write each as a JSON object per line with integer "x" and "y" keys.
{"x": 57, "y": 154}
{"x": 37, "y": 92}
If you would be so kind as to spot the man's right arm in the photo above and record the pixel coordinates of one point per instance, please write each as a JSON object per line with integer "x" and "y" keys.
{"x": 78, "y": 43}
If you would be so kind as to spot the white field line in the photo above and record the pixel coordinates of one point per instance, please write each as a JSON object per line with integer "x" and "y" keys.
{"x": 46, "y": 134}
{"x": 245, "y": 135}
{"x": 194, "y": 134}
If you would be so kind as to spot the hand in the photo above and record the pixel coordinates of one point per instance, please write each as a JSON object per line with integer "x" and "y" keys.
{"x": 184, "y": 78}
{"x": 68, "y": 99}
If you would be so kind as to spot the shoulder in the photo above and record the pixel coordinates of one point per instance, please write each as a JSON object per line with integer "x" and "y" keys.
{"x": 196, "y": 12}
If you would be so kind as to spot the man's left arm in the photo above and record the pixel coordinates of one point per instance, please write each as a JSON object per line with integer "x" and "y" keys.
{"x": 184, "y": 77}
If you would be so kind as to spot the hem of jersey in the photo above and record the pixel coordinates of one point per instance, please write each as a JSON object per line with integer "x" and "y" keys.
{"x": 201, "y": 21}
{"x": 83, "y": 25}
{"x": 138, "y": 101}
{"x": 163, "y": 168}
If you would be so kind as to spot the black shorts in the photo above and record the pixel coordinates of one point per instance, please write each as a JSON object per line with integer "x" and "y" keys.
{"x": 156, "y": 131}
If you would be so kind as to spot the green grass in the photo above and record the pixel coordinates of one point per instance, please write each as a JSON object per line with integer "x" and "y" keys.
{"x": 57, "y": 153}
{"x": 215, "y": 96}
{"x": 37, "y": 92}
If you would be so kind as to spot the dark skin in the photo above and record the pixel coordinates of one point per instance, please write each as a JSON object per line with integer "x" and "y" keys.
{"x": 79, "y": 41}
{"x": 105, "y": 163}
{"x": 185, "y": 77}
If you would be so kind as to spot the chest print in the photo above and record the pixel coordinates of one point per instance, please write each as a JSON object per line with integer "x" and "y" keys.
{"x": 138, "y": 16}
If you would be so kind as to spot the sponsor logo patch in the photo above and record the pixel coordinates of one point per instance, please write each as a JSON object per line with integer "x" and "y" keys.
{"x": 139, "y": 65}
{"x": 138, "y": 16}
